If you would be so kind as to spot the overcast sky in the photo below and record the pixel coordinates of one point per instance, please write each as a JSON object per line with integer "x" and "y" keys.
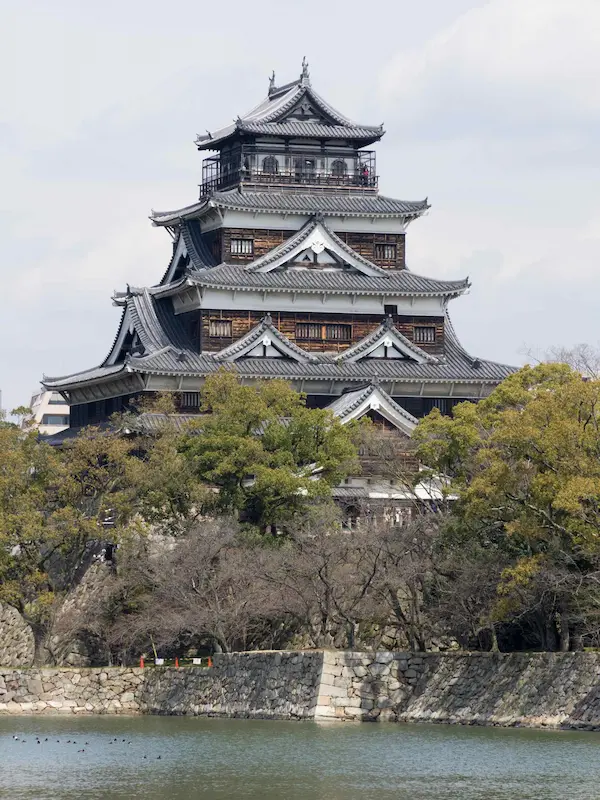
{"x": 492, "y": 110}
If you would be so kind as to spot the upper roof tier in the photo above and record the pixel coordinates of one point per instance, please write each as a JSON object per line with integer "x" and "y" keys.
{"x": 294, "y": 110}
{"x": 372, "y": 206}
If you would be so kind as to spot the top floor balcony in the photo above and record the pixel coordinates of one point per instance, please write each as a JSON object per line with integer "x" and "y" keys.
{"x": 303, "y": 170}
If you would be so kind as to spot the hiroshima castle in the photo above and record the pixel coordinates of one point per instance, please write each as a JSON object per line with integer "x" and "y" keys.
{"x": 289, "y": 265}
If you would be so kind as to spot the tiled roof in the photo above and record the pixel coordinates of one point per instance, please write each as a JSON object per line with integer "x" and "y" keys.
{"x": 146, "y": 323}
{"x": 345, "y": 205}
{"x": 94, "y": 375}
{"x": 455, "y": 369}
{"x": 277, "y": 105}
{"x": 199, "y": 253}
{"x": 151, "y": 422}
{"x": 297, "y": 127}
{"x": 392, "y": 283}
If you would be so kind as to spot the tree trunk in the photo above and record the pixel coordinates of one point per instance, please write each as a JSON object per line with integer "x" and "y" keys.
{"x": 577, "y": 642}
{"x": 550, "y": 642}
{"x": 495, "y": 648}
{"x": 352, "y": 630}
{"x": 40, "y": 653}
{"x": 563, "y": 632}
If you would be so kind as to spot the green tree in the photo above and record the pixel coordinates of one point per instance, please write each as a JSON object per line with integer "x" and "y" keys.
{"x": 524, "y": 464}
{"x": 57, "y": 508}
{"x": 266, "y": 453}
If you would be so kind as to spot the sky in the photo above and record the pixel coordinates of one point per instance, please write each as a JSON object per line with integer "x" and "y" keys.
{"x": 492, "y": 111}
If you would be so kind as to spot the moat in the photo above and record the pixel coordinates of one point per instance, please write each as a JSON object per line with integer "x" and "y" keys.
{"x": 157, "y": 757}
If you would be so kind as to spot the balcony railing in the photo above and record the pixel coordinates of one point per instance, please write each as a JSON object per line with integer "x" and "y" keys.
{"x": 278, "y": 169}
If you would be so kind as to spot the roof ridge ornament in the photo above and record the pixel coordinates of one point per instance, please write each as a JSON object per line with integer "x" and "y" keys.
{"x": 305, "y": 76}
{"x": 267, "y": 319}
{"x": 272, "y": 82}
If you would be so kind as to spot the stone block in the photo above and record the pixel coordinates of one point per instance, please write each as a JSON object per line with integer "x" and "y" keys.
{"x": 379, "y": 669}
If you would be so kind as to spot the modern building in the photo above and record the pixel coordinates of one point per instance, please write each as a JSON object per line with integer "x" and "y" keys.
{"x": 290, "y": 265}
{"x": 50, "y": 411}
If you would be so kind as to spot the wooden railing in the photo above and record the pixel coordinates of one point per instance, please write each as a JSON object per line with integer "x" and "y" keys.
{"x": 316, "y": 179}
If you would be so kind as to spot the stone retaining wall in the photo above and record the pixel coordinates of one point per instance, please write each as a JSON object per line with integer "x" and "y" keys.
{"x": 540, "y": 689}
{"x": 16, "y": 638}
{"x": 528, "y": 689}
{"x": 264, "y": 684}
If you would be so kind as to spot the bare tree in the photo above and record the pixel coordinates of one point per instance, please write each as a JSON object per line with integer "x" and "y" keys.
{"x": 583, "y": 358}
{"x": 324, "y": 577}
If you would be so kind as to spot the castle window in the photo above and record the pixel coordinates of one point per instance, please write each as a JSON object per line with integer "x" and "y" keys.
{"x": 309, "y": 330}
{"x": 242, "y": 247}
{"x": 190, "y": 400}
{"x": 270, "y": 165}
{"x": 220, "y": 328}
{"x": 385, "y": 252}
{"x": 424, "y": 334}
{"x": 338, "y": 168}
{"x": 320, "y": 332}
{"x": 338, "y": 333}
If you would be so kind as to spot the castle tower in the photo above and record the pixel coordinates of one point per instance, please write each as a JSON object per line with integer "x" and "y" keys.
{"x": 290, "y": 265}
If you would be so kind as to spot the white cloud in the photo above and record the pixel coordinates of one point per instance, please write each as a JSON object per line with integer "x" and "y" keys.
{"x": 510, "y": 61}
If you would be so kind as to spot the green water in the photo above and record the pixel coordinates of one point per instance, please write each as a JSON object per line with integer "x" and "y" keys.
{"x": 211, "y": 758}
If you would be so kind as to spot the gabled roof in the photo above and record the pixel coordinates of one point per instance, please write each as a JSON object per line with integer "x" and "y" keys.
{"x": 264, "y": 341}
{"x": 355, "y": 404}
{"x": 264, "y": 202}
{"x": 386, "y": 336}
{"x": 287, "y": 107}
{"x": 317, "y": 236}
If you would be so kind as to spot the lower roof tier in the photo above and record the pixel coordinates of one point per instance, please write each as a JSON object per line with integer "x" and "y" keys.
{"x": 161, "y": 354}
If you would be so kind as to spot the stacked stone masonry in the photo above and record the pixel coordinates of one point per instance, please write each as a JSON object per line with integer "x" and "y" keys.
{"x": 537, "y": 690}
{"x": 504, "y": 689}
{"x": 16, "y": 638}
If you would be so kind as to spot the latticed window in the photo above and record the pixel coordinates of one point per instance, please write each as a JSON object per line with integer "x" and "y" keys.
{"x": 338, "y": 333}
{"x": 316, "y": 330}
{"x": 424, "y": 334}
{"x": 309, "y": 330}
{"x": 190, "y": 400}
{"x": 270, "y": 165}
{"x": 338, "y": 167}
{"x": 385, "y": 252}
{"x": 242, "y": 247}
{"x": 220, "y": 328}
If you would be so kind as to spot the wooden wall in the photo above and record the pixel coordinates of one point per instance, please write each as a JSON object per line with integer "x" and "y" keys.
{"x": 362, "y": 325}
{"x": 365, "y": 243}
{"x": 266, "y": 239}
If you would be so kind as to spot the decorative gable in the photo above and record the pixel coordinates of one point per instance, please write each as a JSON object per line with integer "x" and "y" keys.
{"x": 372, "y": 398}
{"x": 315, "y": 246}
{"x": 386, "y": 342}
{"x": 264, "y": 341}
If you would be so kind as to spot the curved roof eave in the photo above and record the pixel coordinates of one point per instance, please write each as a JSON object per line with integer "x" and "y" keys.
{"x": 361, "y": 206}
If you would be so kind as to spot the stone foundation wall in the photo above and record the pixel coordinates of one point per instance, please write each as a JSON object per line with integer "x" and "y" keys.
{"x": 528, "y": 689}
{"x": 16, "y": 638}
{"x": 277, "y": 685}
{"x": 540, "y": 689}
